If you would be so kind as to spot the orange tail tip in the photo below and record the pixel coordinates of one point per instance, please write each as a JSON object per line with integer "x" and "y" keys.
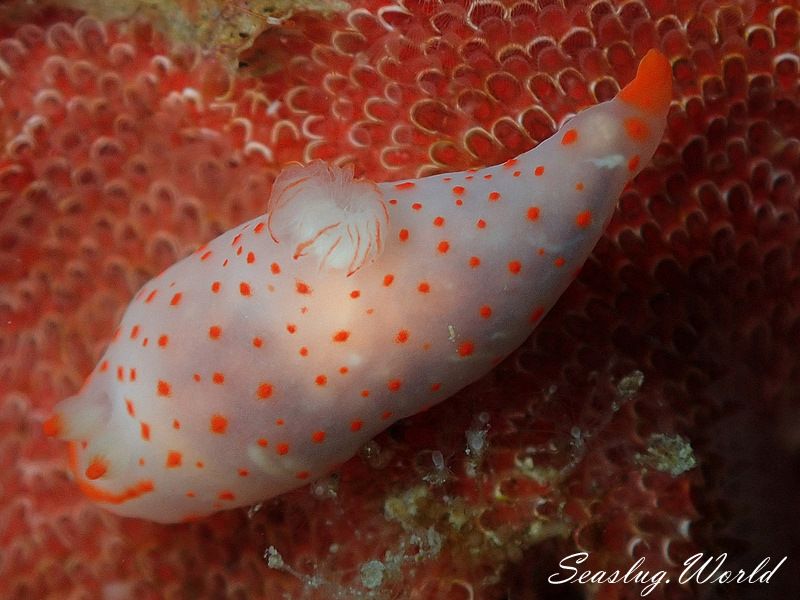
{"x": 651, "y": 89}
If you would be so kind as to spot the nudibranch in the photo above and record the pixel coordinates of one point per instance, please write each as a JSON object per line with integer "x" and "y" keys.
{"x": 269, "y": 356}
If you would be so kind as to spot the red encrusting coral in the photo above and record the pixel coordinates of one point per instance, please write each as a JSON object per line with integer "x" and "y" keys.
{"x": 676, "y": 344}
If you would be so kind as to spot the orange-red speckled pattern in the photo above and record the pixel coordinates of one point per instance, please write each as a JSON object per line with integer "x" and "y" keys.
{"x": 326, "y": 229}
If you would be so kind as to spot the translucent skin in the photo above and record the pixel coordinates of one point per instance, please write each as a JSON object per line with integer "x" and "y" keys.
{"x": 274, "y": 352}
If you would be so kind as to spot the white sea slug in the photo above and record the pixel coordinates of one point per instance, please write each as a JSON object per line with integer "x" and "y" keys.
{"x": 270, "y": 355}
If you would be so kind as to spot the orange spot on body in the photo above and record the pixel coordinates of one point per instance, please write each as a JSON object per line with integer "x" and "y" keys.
{"x": 474, "y": 261}
{"x": 424, "y": 287}
{"x": 303, "y": 288}
{"x": 176, "y": 299}
{"x": 264, "y": 390}
{"x": 318, "y": 437}
{"x": 144, "y": 431}
{"x": 206, "y": 255}
{"x": 533, "y": 213}
{"x": 218, "y": 424}
{"x": 458, "y": 190}
{"x": 226, "y": 495}
{"x": 130, "y": 407}
{"x": 579, "y": 186}
{"x": 214, "y": 332}
{"x": 163, "y": 388}
{"x": 538, "y": 171}
{"x": 494, "y": 196}
{"x": 388, "y": 279}
{"x": 291, "y": 328}
{"x": 406, "y": 185}
{"x": 303, "y": 475}
{"x": 174, "y": 459}
{"x": 243, "y": 472}
{"x": 356, "y": 425}
{"x": 570, "y": 137}
{"x": 218, "y": 378}
{"x": 443, "y": 247}
{"x": 485, "y": 311}
{"x": 215, "y": 287}
{"x": 321, "y": 380}
{"x": 244, "y": 289}
{"x": 258, "y": 342}
{"x": 150, "y": 297}
{"x": 559, "y": 262}
{"x": 163, "y": 341}
{"x": 584, "y": 219}
{"x": 510, "y": 163}
{"x": 394, "y": 385}
{"x": 303, "y": 351}
{"x": 633, "y": 163}
{"x": 403, "y": 235}
{"x": 134, "y": 332}
{"x": 438, "y": 222}
{"x": 480, "y": 224}
{"x": 515, "y": 267}
{"x": 537, "y": 314}
{"x": 636, "y": 129}
{"x": 402, "y": 336}
{"x": 435, "y": 387}
{"x": 282, "y": 448}
{"x": 416, "y": 206}
{"x": 355, "y": 294}
{"x": 251, "y": 258}
{"x": 386, "y": 415}
{"x": 466, "y": 348}
{"x": 176, "y": 424}
{"x": 262, "y": 442}
{"x": 96, "y": 469}
{"x": 259, "y": 228}
{"x": 341, "y": 336}
{"x": 275, "y": 268}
